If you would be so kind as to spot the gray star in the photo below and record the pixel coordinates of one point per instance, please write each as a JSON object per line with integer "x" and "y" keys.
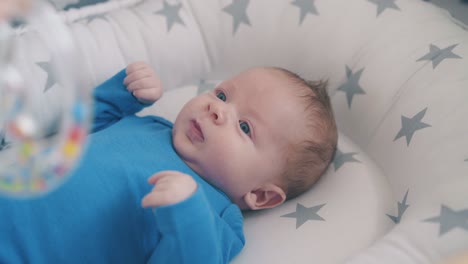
{"x": 341, "y": 158}
{"x": 16, "y": 22}
{"x": 303, "y": 214}
{"x": 351, "y": 87}
{"x": 171, "y": 12}
{"x": 437, "y": 55}
{"x": 4, "y": 144}
{"x": 79, "y": 3}
{"x": 46, "y": 66}
{"x": 62, "y": 4}
{"x": 450, "y": 219}
{"x": 89, "y": 19}
{"x": 238, "y": 11}
{"x": 410, "y": 125}
{"x": 402, "y": 206}
{"x": 384, "y": 4}
{"x": 204, "y": 86}
{"x": 306, "y": 6}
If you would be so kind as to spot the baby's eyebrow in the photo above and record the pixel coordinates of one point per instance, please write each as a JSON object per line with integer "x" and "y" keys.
{"x": 228, "y": 85}
{"x": 256, "y": 116}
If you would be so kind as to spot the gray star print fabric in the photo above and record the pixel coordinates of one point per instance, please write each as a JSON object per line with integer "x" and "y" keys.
{"x": 68, "y": 4}
{"x": 397, "y": 190}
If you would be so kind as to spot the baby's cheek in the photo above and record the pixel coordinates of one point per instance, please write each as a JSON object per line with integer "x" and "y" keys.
{"x": 240, "y": 157}
{"x": 225, "y": 148}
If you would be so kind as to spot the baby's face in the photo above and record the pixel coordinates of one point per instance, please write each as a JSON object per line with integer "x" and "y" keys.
{"x": 236, "y": 136}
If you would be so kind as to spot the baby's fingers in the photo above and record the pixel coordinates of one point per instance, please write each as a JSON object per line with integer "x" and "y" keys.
{"x": 145, "y": 84}
{"x": 138, "y": 75}
{"x": 157, "y": 176}
{"x": 135, "y": 66}
{"x": 155, "y": 199}
{"x": 147, "y": 96}
{"x": 170, "y": 187}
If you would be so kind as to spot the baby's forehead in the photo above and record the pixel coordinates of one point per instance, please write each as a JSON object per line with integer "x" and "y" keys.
{"x": 261, "y": 82}
{"x": 265, "y": 71}
{"x": 265, "y": 78}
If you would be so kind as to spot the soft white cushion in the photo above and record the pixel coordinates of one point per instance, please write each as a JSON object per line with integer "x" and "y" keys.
{"x": 400, "y": 106}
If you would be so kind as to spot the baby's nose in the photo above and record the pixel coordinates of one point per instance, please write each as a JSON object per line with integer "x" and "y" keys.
{"x": 218, "y": 112}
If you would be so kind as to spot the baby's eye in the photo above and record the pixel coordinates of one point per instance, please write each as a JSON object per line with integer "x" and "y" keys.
{"x": 245, "y": 127}
{"x": 221, "y": 96}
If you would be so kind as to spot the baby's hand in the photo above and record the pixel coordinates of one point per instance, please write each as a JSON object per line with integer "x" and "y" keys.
{"x": 10, "y": 8}
{"x": 143, "y": 83}
{"x": 170, "y": 187}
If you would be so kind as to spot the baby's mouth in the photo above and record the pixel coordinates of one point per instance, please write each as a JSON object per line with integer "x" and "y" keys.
{"x": 195, "y": 132}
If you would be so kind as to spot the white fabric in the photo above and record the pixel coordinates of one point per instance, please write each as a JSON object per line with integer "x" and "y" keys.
{"x": 426, "y": 174}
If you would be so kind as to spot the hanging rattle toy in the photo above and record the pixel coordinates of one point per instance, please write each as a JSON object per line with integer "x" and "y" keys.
{"x": 36, "y": 155}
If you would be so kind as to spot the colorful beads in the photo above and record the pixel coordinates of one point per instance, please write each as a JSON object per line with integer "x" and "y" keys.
{"x": 38, "y": 168}
{"x": 45, "y": 134}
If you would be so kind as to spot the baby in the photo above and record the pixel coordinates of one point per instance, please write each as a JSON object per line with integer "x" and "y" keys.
{"x": 260, "y": 138}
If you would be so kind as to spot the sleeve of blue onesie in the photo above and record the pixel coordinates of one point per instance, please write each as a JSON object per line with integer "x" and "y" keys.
{"x": 112, "y": 101}
{"x": 191, "y": 232}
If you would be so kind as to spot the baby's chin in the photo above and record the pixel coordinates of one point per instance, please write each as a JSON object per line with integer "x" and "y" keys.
{"x": 196, "y": 167}
{"x": 192, "y": 164}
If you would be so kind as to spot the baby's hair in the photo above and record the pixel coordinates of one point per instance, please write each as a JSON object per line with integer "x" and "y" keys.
{"x": 308, "y": 160}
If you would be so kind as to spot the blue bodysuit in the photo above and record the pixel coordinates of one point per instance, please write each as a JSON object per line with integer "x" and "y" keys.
{"x": 96, "y": 215}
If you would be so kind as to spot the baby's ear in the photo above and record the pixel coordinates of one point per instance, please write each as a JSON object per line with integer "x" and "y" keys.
{"x": 267, "y": 196}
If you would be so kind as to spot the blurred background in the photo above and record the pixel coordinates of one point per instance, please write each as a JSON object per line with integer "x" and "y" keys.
{"x": 458, "y": 8}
